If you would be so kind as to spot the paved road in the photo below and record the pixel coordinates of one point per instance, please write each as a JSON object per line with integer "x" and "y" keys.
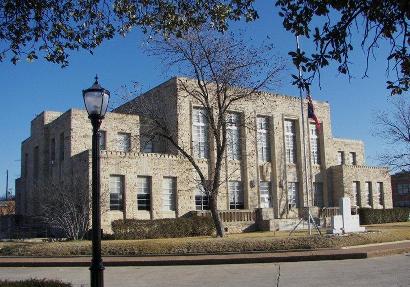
{"x": 380, "y": 271}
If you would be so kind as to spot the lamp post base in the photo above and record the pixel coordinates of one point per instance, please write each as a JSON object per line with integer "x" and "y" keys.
{"x": 97, "y": 274}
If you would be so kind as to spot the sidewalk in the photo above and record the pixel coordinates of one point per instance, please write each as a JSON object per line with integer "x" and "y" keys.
{"x": 354, "y": 252}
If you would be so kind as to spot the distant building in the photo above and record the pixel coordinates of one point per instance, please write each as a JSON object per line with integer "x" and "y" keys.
{"x": 149, "y": 180}
{"x": 400, "y": 184}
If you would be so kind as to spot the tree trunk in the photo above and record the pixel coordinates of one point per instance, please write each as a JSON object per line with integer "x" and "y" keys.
{"x": 215, "y": 216}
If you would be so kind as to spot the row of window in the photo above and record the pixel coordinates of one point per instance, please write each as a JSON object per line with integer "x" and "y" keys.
{"x": 201, "y": 144}
{"x": 367, "y": 199}
{"x": 235, "y": 190}
{"x": 143, "y": 193}
{"x": 351, "y": 159}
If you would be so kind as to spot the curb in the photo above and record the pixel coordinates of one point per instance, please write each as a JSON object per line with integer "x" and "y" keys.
{"x": 180, "y": 260}
{"x": 373, "y": 250}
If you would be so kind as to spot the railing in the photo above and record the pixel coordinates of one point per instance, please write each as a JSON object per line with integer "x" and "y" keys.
{"x": 332, "y": 211}
{"x": 232, "y": 215}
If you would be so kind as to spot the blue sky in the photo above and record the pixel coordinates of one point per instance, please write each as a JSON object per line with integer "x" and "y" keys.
{"x": 27, "y": 89}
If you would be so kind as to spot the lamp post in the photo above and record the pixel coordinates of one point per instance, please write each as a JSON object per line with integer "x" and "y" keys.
{"x": 96, "y": 102}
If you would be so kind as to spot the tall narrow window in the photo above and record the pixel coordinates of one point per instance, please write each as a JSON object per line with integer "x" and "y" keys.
{"x": 116, "y": 192}
{"x": 233, "y": 136}
{"x": 264, "y": 189}
{"x": 318, "y": 194}
{"x": 36, "y": 164}
{"x": 103, "y": 140}
{"x": 340, "y": 157}
{"x": 124, "y": 142}
{"x": 25, "y": 168}
{"x": 168, "y": 193}
{"x": 369, "y": 193}
{"x": 293, "y": 194}
{"x": 236, "y": 196}
{"x": 200, "y": 133}
{"x": 355, "y": 196}
{"x": 352, "y": 158}
{"x": 53, "y": 150}
{"x": 290, "y": 141}
{"x": 314, "y": 144}
{"x": 381, "y": 193}
{"x": 201, "y": 198}
{"x": 144, "y": 193}
{"x": 62, "y": 147}
{"x": 263, "y": 139}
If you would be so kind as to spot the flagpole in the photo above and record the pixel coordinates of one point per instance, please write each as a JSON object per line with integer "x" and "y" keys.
{"x": 305, "y": 177}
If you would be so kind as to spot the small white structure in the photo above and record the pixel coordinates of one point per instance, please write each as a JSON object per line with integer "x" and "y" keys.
{"x": 346, "y": 223}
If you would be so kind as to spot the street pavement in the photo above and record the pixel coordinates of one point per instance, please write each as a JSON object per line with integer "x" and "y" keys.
{"x": 374, "y": 272}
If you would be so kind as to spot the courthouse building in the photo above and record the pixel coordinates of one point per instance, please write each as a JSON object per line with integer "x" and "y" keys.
{"x": 149, "y": 179}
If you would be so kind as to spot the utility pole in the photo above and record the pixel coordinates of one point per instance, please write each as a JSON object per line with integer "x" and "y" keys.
{"x": 7, "y": 183}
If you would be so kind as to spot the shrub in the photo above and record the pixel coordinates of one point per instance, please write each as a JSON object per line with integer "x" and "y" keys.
{"x": 34, "y": 283}
{"x": 377, "y": 216}
{"x": 162, "y": 228}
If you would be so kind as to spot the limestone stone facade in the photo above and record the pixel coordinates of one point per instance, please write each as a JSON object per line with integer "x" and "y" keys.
{"x": 58, "y": 151}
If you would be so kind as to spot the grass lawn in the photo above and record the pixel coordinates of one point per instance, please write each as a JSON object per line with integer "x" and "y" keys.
{"x": 245, "y": 242}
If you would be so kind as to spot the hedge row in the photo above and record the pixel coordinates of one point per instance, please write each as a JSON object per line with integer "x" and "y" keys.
{"x": 162, "y": 228}
{"x": 34, "y": 283}
{"x": 377, "y": 216}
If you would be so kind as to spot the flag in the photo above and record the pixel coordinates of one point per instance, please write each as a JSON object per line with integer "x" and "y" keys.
{"x": 311, "y": 113}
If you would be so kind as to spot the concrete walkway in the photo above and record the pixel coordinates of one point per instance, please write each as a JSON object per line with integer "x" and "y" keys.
{"x": 358, "y": 252}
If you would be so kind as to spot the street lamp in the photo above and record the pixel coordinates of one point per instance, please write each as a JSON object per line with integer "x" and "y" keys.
{"x": 96, "y": 102}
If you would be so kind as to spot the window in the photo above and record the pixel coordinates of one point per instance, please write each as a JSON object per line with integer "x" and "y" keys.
{"x": 53, "y": 150}
{"x": 318, "y": 194}
{"x": 168, "y": 193}
{"x": 124, "y": 142}
{"x": 103, "y": 140}
{"x": 380, "y": 192}
{"x": 233, "y": 136}
{"x": 116, "y": 192}
{"x": 352, "y": 158}
{"x": 200, "y": 133}
{"x": 25, "y": 165}
{"x": 340, "y": 157}
{"x": 403, "y": 188}
{"x": 146, "y": 144}
{"x": 263, "y": 139}
{"x": 314, "y": 144}
{"x": 369, "y": 193}
{"x": 201, "y": 198}
{"x": 62, "y": 147}
{"x": 36, "y": 164}
{"x": 144, "y": 193}
{"x": 290, "y": 141}
{"x": 264, "y": 189}
{"x": 293, "y": 194}
{"x": 355, "y": 196}
{"x": 236, "y": 196}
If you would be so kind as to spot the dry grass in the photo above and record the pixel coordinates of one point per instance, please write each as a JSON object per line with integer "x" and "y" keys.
{"x": 245, "y": 242}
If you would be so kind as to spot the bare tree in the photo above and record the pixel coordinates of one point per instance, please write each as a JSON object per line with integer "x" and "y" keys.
{"x": 66, "y": 208}
{"x": 393, "y": 127}
{"x": 220, "y": 65}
